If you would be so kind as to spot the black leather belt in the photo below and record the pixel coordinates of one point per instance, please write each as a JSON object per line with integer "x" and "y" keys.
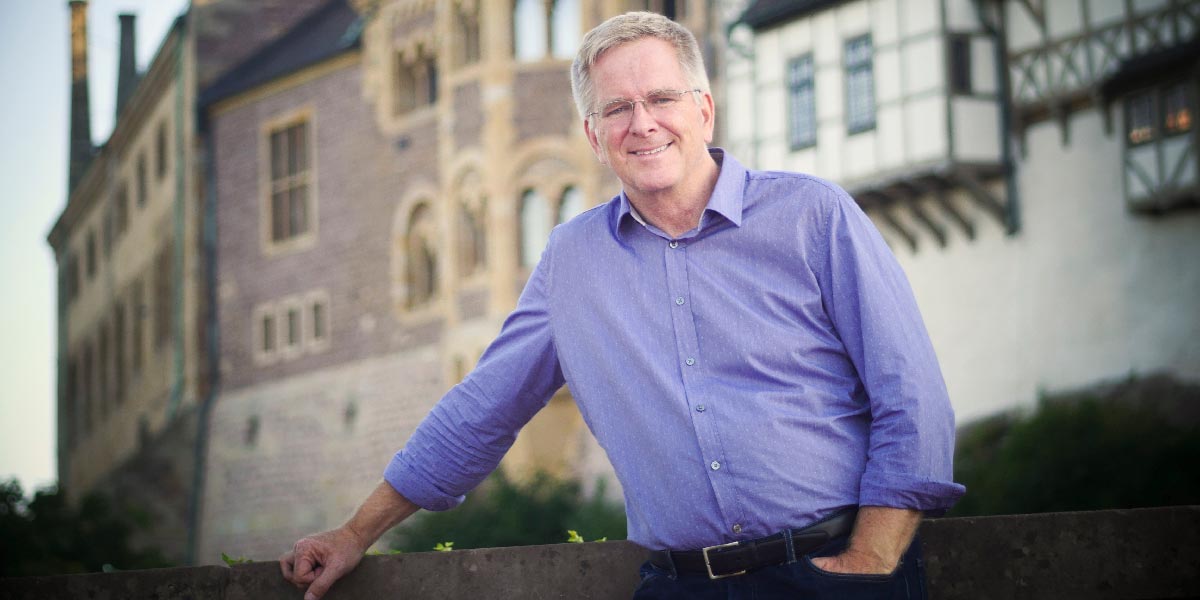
{"x": 736, "y": 558}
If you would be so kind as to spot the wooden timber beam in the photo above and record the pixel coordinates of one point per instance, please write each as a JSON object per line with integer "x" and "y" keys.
{"x": 909, "y": 195}
{"x": 878, "y": 202}
{"x": 981, "y": 195}
{"x": 943, "y": 201}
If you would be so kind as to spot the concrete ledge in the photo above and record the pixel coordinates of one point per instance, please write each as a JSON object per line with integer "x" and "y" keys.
{"x": 1140, "y": 553}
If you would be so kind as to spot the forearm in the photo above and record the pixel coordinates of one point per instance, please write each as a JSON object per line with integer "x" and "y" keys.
{"x": 882, "y": 534}
{"x": 383, "y": 509}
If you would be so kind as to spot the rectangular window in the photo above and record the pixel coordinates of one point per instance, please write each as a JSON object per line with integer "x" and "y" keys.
{"x": 90, "y": 254}
{"x": 293, "y": 327}
{"x": 71, "y": 278}
{"x": 1140, "y": 118}
{"x": 121, "y": 210}
{"x": 318, "y": 321}
{"x": 109, "y": 232}
{"x": 267, "y": 330}
{"x": 142, "y": 183}
{"x": 290, "y": 170}
{"x": 1179, "y": 110}
{"x": 960, "y": 64}
{"x": 1161, "y": 162}
{"x": 160, "y": 151}
{"x": 860, "y": 85}
{"x": 802, "y": 108}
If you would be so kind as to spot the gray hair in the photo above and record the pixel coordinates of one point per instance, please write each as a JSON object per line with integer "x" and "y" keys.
{"x": 626, "y": 28}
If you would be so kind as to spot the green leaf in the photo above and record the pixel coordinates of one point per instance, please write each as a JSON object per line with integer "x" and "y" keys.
{"x": 574, "y": 537}
{"x": 229, "y": 561}
{"x": 444, "y": 546}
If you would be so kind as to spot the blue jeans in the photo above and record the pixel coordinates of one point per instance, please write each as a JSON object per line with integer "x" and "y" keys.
{"x": 796, "y": 579}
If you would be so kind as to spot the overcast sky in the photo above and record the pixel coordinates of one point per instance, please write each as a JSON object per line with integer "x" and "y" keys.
{"x": 35, "y": 69}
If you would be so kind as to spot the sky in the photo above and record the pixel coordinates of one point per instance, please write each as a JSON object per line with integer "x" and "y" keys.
{"x": 35, "y": 68}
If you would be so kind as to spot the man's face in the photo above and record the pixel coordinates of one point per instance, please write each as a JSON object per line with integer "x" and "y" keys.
{"x": 656, "y": 150}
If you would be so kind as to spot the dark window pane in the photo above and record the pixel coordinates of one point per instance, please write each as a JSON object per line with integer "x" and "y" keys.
{"x": 801, "y": 103}
{"x": 1140, "y": 116}
{"x": 1178, "y": 109}
{"x": 318, "y": 321}
{"x": 960, "y": 64}
{"x": 268, "y": 334}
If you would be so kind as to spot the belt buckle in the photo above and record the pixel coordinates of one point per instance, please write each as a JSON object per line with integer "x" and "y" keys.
{"x": 708, "y": 565}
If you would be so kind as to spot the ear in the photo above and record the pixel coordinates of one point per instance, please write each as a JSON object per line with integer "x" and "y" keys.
{"x": 709, "y": 112}
{"x": 594, "y": 140}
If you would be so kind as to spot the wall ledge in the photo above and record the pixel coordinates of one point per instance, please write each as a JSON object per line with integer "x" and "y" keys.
{"x": 1134, "y": 553}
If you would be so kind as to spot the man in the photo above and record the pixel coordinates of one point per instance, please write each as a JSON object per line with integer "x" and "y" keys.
{"x": 742, "y": 344}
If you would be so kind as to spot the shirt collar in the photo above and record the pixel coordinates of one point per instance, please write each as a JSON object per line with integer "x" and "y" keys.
{"x": 726, "y": 200}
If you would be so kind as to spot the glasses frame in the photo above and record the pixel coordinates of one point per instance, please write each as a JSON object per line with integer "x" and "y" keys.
{"x": 633, "y": 102}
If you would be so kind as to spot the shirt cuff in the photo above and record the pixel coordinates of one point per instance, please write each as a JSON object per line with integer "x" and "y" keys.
{"x": 905, "y": 491}
{"x": 418, "y": 489}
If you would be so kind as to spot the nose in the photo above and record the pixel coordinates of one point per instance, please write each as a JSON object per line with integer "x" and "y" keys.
{"x": 642, "y": 121}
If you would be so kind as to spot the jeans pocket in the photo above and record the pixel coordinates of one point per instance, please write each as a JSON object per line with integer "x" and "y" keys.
{"x": 858, "y": 577}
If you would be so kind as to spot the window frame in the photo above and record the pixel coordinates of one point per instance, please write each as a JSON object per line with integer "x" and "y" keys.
{"x": 795, "y": 89}
{"x": 269, "y": 185}
{"x": 850, "y": 69}
{"x": 1156, "y": 93}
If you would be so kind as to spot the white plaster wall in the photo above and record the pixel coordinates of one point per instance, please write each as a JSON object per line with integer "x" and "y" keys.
{"x": 1085, "y": 292}
{"x": 976, "y": 129}
{"x": 961, "y": 15}
{"x": 1064, "y": 18}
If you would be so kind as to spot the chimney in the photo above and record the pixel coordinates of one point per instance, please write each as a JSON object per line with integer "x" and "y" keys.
{"x": 127, "y": 75}
{"x": 81, "y": 119}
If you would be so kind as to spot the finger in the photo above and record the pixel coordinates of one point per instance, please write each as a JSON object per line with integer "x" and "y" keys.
{"x": 285, "y": 565}
{"x": 322, "y": 584}
{"x": 304, "y": 568}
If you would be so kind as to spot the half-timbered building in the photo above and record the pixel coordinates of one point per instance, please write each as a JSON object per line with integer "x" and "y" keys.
{"x": 1030, "y": 162}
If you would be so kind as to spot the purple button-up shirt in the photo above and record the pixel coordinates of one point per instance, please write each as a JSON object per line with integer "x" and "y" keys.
{"x": 756, "y": 373}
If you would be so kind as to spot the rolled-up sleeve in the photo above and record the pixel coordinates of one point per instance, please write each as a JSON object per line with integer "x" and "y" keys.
{"x": 470, "y": 429}
{"x": 911, "y": 450}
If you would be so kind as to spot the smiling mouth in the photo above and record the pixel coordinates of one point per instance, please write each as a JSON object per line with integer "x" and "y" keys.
{"x": 651, "y": 152}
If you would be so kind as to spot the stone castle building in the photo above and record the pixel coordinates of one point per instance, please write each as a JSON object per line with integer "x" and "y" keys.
{"x": 385, "y": 177}
{"x": 133, "y": 370}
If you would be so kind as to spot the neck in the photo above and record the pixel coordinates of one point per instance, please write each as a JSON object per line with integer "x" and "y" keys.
{"x": 677, "y": 211}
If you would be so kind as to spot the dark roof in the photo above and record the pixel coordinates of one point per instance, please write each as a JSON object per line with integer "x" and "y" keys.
{"x": 327, "y": 32}
{"x": 1150, "y": 68}
{"x": 762, "y": 14}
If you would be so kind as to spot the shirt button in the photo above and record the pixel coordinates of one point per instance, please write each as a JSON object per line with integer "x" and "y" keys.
{"x": 737, "y": 527}
{"x": 690, "y": 361}
{"x": 700, "y": 408}
{"x": 674, "y": 244}
{"x": 715, "y": 465}
{"x": 679, "y": 301}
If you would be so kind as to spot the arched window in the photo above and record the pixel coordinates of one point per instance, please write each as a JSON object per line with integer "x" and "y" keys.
{"x": 467, "y": 24}
{"x": 529, "y": 30}
{"x": 564, "y": 28}
{"x": 535, "y": 227}
{"x": 473, "y": 236}
{"x": 570, "y": 205}
{"x": 421, "y": 257}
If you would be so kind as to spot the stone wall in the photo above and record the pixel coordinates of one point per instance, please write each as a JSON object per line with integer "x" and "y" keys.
{"x": 1139, "y": 553}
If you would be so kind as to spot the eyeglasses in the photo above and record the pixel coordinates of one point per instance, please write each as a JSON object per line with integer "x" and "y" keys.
{"x": 658, "y": 103}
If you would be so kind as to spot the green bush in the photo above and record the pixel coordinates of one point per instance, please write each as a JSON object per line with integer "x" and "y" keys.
{"x": 43, "y": 535}
{"x": 507, "y": 513}
{"x": 1131, "y": 445}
